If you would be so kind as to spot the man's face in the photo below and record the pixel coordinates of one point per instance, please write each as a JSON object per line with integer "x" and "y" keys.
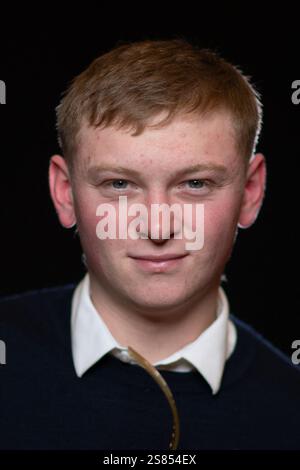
{"x": 155, "y": 169}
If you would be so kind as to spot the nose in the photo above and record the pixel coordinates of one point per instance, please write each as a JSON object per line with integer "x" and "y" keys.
{"x": 162, "y": 218}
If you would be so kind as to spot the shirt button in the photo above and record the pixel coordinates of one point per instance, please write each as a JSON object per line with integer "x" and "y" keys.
{"x": 124, "y": 356}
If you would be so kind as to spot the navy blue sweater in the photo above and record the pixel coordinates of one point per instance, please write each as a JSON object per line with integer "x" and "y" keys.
{"x": 117, "y": 405}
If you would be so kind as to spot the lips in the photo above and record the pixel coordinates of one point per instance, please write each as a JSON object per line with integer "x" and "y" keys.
{"x": 159, "y": 263}
{"x": 158, "y": 258}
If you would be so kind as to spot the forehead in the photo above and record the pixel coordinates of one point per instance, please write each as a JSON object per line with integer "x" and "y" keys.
{"x": 184, "y": 141}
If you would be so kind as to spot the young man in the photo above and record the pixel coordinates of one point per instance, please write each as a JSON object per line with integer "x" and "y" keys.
{"x": 156, "y": 122}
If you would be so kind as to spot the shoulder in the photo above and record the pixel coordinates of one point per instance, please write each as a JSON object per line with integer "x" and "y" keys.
{"x": 36, "y": 311}
{"x": 35, "y": 331}
{"x": 266, "y": 364}
{"x": 34, "y": 299}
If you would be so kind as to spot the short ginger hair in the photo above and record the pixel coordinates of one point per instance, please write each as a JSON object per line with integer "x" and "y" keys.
{"x": 134, "y": 82}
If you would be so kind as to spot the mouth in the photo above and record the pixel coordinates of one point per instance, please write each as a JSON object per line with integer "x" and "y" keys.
{"x": 159, "y": 263}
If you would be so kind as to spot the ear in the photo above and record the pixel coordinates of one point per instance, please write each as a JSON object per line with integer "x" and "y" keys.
{"x": 61, "y": 191}
{"x": 254, "y": 191}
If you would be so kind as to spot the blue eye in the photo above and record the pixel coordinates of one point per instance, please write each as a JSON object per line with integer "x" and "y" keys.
{"x": 119, "y": 184}
{"x": 196, "y": 184}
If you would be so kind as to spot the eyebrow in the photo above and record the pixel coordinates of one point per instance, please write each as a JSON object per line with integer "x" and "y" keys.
{"x": 94, "y": 171}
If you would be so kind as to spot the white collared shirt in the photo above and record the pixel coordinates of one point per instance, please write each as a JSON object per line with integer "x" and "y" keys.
{"x": 91, "y": 340}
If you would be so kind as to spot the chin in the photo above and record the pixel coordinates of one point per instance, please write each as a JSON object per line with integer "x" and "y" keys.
{"x": 158, "y": 301}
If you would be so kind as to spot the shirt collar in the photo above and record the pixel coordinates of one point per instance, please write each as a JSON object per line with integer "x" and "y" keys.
{"x": 91, "y": 339}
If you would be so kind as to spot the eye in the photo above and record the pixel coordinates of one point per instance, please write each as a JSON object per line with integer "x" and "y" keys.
{"x": 119, "y": 184}
{"x": 196, "y": 184}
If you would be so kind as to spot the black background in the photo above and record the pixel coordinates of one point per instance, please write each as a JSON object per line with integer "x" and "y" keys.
{"x": 41, "y": 51}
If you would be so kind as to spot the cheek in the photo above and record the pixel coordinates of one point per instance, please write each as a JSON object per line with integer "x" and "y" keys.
{"x": 97, "y": 251}
{"x": 220, "y": 223}
{"x": 85, "y": 209}
{"x": 87, "y": 223}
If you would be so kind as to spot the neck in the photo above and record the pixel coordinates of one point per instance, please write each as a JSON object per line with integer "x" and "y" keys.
{"x": 155, "y": 337}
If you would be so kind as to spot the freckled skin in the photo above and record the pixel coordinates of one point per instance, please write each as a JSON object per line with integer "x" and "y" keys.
{"x": 154, "y": 154}
{"x": 181, "y": 294}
